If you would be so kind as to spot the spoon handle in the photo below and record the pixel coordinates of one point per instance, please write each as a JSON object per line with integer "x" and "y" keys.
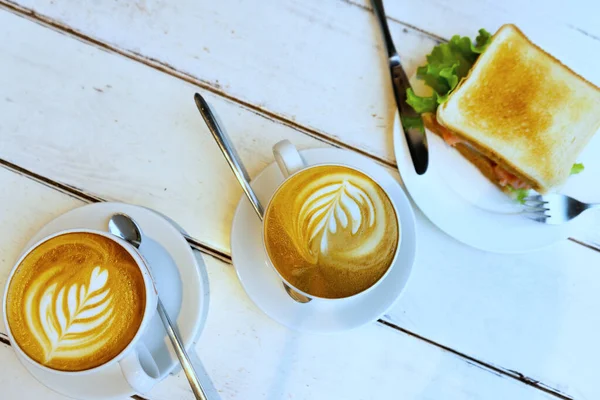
{"x": 229, "y": 152}
{"x": 184, "y": 359}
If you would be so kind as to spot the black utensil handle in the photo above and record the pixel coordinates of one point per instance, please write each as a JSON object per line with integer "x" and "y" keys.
{"x": 387, "y": 37}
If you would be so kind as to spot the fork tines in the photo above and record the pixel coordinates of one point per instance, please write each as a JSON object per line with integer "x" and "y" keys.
{"x": 535, "y": 207}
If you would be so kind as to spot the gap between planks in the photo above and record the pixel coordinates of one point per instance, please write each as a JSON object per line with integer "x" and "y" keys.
{"x": 482, "y": 364}
{"x": 502, "y": 372}
{"x": 440, "y": 38}
{"x": 369, "y": 9}
{"x": 186, "y": 77}
{"x": 226, "y": 258}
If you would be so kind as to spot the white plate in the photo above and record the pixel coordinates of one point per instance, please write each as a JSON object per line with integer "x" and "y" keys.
{"x": 181, "y": 281}
{"x": 456, "y": 197}
{"x": 264, "y": 286}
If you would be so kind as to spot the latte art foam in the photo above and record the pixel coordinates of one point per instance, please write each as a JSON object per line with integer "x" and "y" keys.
{"x": 67, "y": 319}
{"x": 76, "y": 301}
{"x": 331, "y": 231}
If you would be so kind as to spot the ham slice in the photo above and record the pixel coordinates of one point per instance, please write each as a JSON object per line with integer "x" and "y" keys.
{"x": 450, "y": 138}
{"x": 504, "y": 177}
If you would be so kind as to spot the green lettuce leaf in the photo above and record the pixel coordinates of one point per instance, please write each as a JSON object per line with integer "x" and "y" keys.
{"x": 482, "y": 41}
{"x": 413, "y": 122}
{"x": 577, "y": 168}
{"x": 519, "y": 194}
{"x": 421, "y": 104}
{"x": 447, "y": 64}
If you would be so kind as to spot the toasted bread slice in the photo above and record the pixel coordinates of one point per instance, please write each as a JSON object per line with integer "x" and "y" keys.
{"x": 523, "y": 109}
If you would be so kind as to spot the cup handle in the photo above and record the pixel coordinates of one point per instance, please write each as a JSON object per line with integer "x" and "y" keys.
{"x": 140, "y": 369}
{"x": 289, "y": 161}
{"x": 288, "y": 158}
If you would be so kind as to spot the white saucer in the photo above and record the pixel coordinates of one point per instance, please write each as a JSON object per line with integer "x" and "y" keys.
{"x": 320, "y": 316}
{"x": 181, "y": 280}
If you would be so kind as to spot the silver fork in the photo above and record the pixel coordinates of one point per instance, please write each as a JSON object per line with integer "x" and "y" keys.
{"x": 554, "y": 209}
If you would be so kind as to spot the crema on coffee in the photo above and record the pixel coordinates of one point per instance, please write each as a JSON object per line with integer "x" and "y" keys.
{"x": 331, "y": 231}
{"x": 76, "y": 301}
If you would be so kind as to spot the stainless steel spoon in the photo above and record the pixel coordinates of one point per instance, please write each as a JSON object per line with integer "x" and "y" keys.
{"x": 123, "y": 226}
{"x": 239, "y": 171}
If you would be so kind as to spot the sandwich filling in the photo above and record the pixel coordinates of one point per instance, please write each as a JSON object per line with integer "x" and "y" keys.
{"x": 504, "y": 178}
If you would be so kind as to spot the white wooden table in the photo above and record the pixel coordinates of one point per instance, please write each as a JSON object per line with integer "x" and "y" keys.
{"x": 96, "y": 104}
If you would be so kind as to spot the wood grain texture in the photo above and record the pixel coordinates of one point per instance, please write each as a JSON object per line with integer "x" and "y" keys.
{"x": 247, "y": 355}
{"x": 118, "y": 129}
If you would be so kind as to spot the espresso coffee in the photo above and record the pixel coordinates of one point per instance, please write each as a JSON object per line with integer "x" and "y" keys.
{"x": 331, "y": 231}
{"x": 75, "y": 301}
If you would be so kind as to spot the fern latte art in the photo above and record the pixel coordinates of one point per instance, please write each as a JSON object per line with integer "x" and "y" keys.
{"x": 76, "y": 301}
{"x": 331, "y": 231}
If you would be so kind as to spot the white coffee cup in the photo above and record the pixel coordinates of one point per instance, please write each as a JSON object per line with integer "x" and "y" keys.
{"x": 290, "y": 163}
{"x": 135, "y": 360}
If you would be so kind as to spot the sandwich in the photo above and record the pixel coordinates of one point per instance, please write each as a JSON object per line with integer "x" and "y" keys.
{"x": 514, "y": 111}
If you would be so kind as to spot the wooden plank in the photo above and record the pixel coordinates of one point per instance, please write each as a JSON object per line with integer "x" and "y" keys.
{"x": 325, "y": 57}
{"x": 513, "y": 311}
{"x": 38, "y": 206}
{"x": 570, "y": 23}
{"x": 320, "y": 66}
{"x": 330, "y": 81}
{"x": 246, "y": 355}
{"x": 131, "y": 133}
{"x": 159, "y": 142}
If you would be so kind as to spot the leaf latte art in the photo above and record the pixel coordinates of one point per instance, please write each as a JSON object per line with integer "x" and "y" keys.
{"x": 331, "y": 208}
{"x": 331, "y": 231}
{"x": 76, "y": 301}
{"x": 66, "y": 319}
